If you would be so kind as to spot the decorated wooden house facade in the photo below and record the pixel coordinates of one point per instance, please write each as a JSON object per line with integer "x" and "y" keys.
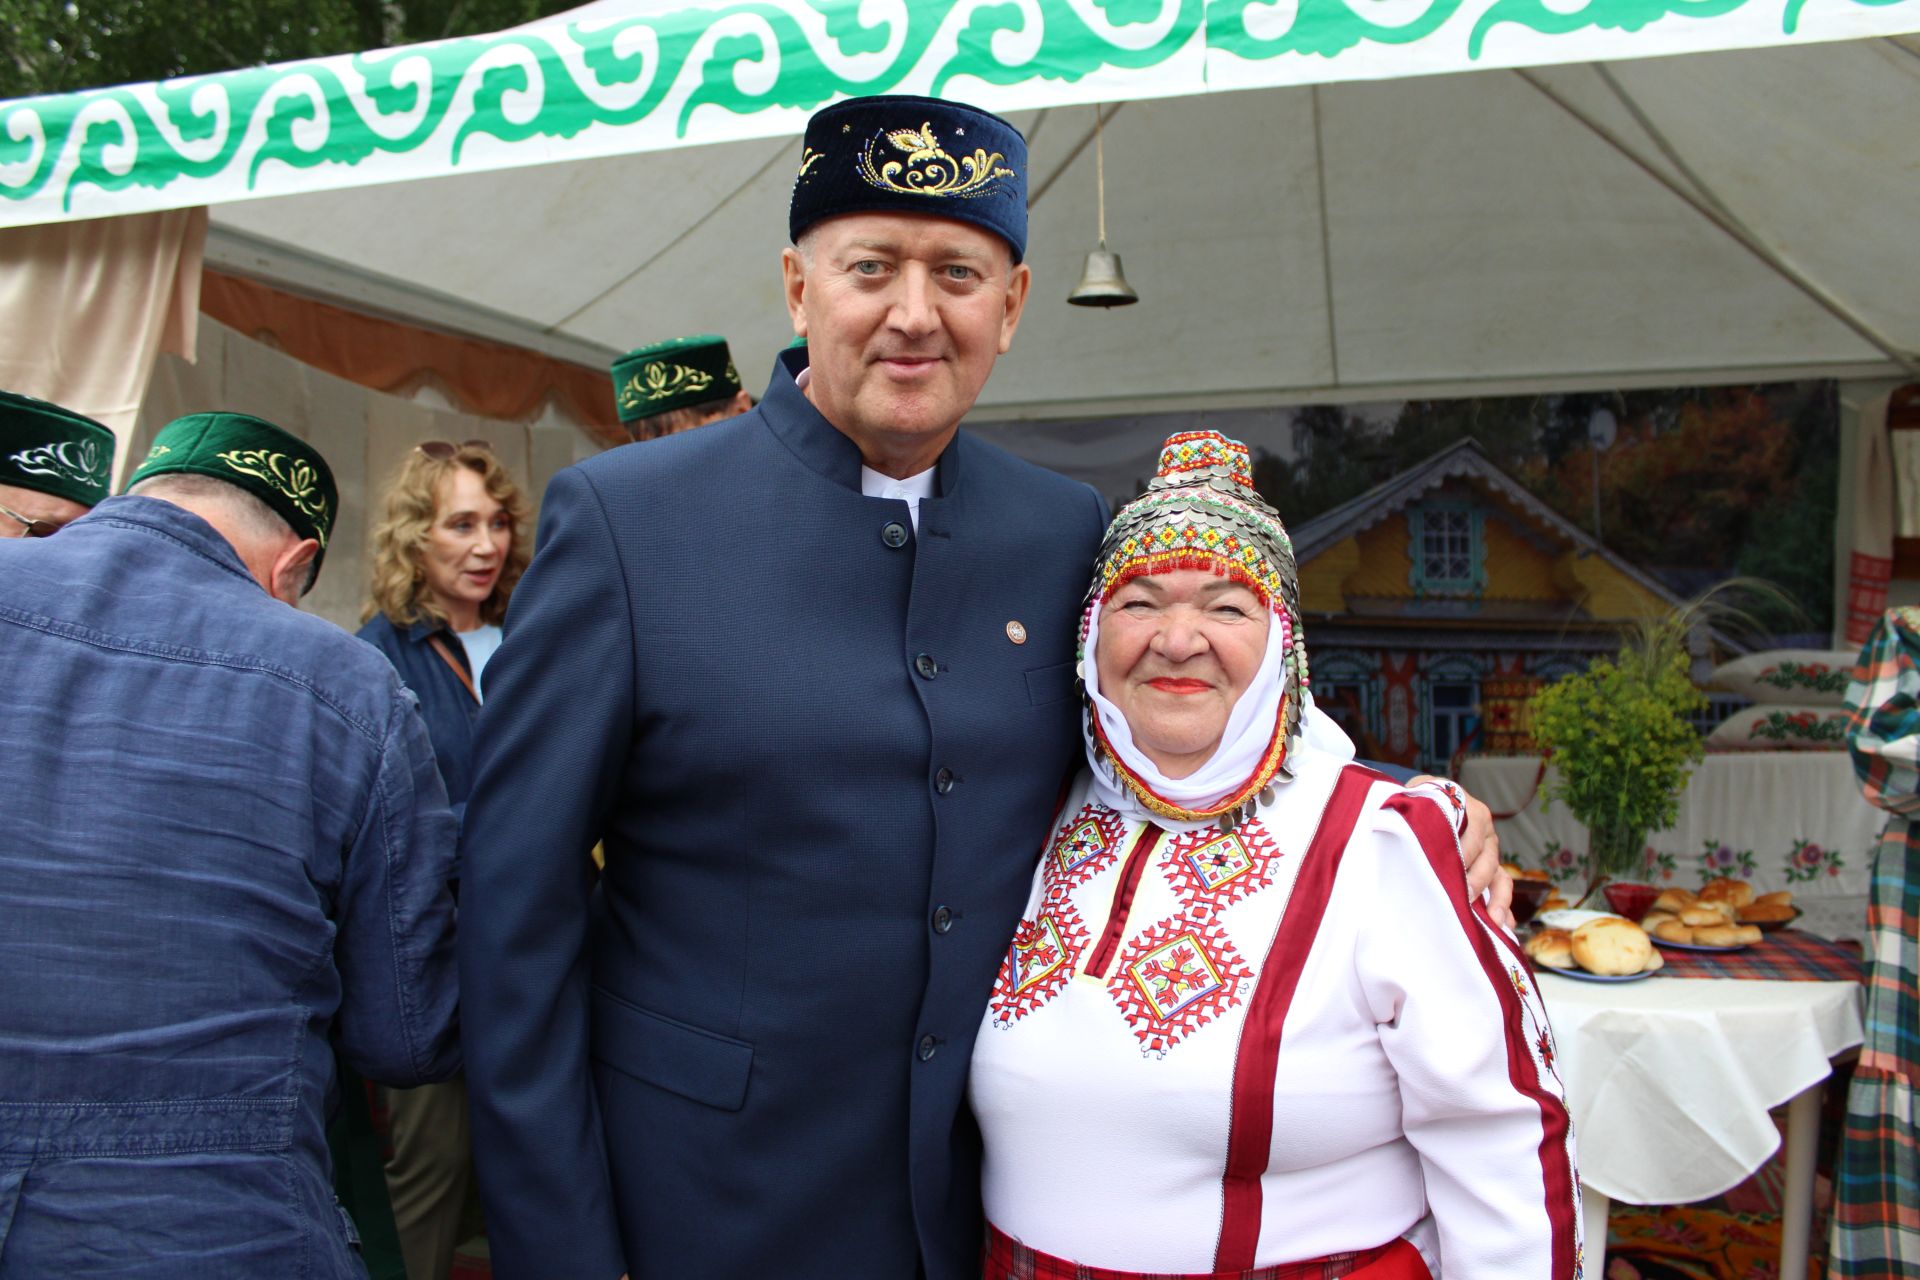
{"x": 1437, "y": 602}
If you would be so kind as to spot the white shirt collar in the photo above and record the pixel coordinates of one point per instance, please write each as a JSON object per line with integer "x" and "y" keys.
{"x": 910, "y": 490}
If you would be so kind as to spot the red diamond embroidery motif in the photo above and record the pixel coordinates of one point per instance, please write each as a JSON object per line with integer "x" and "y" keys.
{"x": 1086, "y": 844}
{"x": 1039, "y": 964}
{"x": 1176, "y": 978}
{"x": 1220, "y": 868}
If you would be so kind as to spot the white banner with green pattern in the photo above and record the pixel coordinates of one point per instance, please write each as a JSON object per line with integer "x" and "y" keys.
{"x": 617, "y": 77}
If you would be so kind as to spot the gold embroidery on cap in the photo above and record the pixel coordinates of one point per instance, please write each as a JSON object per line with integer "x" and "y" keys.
{"x": 928, "y": 170}
{"x": 296, "y": 479}
{"x": 660, "y": 380}
{"x": 809, "y": 158}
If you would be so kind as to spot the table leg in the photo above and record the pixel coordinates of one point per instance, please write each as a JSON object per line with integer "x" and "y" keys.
{"x": 1796, "y": 1212}
{"x": 1595, "y": 1206}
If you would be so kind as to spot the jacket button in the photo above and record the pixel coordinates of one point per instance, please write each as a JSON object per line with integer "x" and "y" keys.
{"x": 942, "y": 919}
{"x": 927, "y": 1048}
{"x": 926, "y": 666}
{"x": 943, "y": 781}
{"x": 894, "y": 534}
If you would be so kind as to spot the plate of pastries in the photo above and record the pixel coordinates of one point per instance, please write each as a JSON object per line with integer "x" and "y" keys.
{"x": 1725, "y": 915}
{"x": 1596, "y": 948}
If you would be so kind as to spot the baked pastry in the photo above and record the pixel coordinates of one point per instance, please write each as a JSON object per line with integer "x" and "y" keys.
{"x": 1654, "y": 961}
{"x": 1726, "y": 935}
{"x": 1654, "y": 919}
{"x": 1611, "y": 946}
{"x": 1673, "y": 900}
{"x": 1766, "y": 913}
{"x": 1737, "y": 892}
{"x": 1673, "y": 931}
{"x": 1778, "y": 898}
{"x": 1704, "y": 914}
{"x": 1552, "y": 947}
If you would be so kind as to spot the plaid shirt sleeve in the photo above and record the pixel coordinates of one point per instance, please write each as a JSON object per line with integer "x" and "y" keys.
{"x": 1883, "y": 706}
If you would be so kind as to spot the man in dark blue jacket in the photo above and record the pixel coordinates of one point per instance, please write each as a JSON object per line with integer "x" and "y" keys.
{"x": 810, "y": 674}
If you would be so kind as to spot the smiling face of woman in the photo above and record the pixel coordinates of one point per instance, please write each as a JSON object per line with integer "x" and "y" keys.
{"x": 466, "y": 546}
{"x": 1176, "y": 651}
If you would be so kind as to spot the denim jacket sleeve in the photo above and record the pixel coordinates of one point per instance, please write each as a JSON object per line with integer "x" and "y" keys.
{"x": 399, "y": 1008}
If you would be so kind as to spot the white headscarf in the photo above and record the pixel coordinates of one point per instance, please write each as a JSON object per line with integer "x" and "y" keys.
{"x": 1249, "y": 731}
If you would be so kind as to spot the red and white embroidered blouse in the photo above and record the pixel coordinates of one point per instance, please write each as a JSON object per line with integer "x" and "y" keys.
{"x": 1212, "y": 1052}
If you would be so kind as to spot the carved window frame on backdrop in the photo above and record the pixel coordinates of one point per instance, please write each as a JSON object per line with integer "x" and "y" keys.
{"x": 1903, "y": 419}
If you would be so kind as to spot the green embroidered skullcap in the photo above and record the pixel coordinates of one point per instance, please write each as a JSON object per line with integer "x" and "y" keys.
{"x": 279, "y": 468}
{"x": 799, "y": 340}
{"x": 672, "y": 375}
{"x": 53, "y": 450}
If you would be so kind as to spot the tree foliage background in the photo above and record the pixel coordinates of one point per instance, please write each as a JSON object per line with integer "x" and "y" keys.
{"x": 58, "y": 46}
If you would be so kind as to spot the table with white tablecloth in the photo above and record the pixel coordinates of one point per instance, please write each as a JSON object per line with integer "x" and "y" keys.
{"x": 1781, "y": 819}
{"x": 1670, "y": 1082}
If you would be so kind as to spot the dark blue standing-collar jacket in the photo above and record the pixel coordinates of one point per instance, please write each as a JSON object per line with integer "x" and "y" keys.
{"x": 823, "y": 767}
{"x": 223, "y": 844}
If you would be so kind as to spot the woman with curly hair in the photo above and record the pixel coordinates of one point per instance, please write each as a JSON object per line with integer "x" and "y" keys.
{"x": 446, "y": 555}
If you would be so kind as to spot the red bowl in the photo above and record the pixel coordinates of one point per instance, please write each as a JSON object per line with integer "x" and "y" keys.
{"x": 1631, "y": 900}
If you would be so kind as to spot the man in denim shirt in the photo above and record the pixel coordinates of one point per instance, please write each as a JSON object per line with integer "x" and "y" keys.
{"x": 223, "y": 844}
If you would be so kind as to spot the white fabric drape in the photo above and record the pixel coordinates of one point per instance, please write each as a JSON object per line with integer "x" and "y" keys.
{"x": 86, "y": 308}
{"x": 1870, "y": 558}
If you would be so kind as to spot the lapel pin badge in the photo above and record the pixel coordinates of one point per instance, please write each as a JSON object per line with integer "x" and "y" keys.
{"x": 1017, "y": 631}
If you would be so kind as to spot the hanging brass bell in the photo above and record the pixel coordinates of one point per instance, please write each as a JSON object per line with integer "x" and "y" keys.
{"x": 1103, "y": 284}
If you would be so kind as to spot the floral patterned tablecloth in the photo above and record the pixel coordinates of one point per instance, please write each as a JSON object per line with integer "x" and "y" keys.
{"x": 1781, "y": 819}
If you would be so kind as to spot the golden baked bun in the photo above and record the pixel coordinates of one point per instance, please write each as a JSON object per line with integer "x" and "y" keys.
{"x": 1654, "y": 919}
{"x": 1778, "y": 898}
{"x": 1725, "y": 935}
{"x": 1556, "y": 901}
{"x": 1674, "y": 900}
{"x": 1673, "y": 931}
{"x": 1611, "y": 946}
{"x": 1654, "y": 962}
{"x": 1765, "y": 913}
{"x": 1704, "y": 914}
{"x": 1552, "y": 947}
{"x": 1738, "y": 892}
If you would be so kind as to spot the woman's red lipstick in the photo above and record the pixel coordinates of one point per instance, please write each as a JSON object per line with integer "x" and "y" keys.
{"x": 1175, "y": 684}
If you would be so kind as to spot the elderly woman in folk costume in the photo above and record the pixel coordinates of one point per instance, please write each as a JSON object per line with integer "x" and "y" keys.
{"x": 1873, "y": 1229}
{"x": 1250, "y": 1024}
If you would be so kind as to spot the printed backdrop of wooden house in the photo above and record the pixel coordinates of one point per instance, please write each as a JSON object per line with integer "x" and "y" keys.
{"x": 1436, "y": 602}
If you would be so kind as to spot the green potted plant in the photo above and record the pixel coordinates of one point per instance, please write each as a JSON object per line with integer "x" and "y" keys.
{"x": 1621, "y": 746}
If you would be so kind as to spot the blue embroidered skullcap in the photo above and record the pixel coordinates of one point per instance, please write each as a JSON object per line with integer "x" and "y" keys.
{"x": 900, "y": 154}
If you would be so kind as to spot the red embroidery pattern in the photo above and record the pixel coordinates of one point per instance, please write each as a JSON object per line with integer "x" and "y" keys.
{"x": 1086, "y": 845}
{"x": 1039, "y": 964}
{"x": 1211, "y": 869}
{"x": 1176, "y": 978}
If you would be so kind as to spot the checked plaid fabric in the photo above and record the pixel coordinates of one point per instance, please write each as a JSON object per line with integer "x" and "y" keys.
{"x": 1787, "y": 955}
{"x": 1876, "y": 1214}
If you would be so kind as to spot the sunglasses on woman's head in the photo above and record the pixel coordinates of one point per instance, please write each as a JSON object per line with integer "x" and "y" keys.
{"x": 444, "y": 450}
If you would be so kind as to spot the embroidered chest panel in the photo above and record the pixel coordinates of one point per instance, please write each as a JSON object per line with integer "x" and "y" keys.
{"x": 1141, "y": 914}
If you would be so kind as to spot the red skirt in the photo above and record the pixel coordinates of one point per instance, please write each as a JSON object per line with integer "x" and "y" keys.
{"x": 1007, "y": 1259}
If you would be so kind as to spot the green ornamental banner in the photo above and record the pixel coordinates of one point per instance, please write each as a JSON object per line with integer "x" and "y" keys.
{"x": 617, "y": 77}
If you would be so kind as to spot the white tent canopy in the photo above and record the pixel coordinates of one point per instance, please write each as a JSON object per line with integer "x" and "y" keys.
{"x": 1721, "y": 216}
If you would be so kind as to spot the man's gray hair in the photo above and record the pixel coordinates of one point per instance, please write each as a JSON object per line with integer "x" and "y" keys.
{"x": 255, "y": 518}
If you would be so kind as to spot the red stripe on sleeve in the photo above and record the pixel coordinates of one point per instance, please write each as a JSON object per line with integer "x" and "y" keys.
{"x": 1438, "y": 843}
